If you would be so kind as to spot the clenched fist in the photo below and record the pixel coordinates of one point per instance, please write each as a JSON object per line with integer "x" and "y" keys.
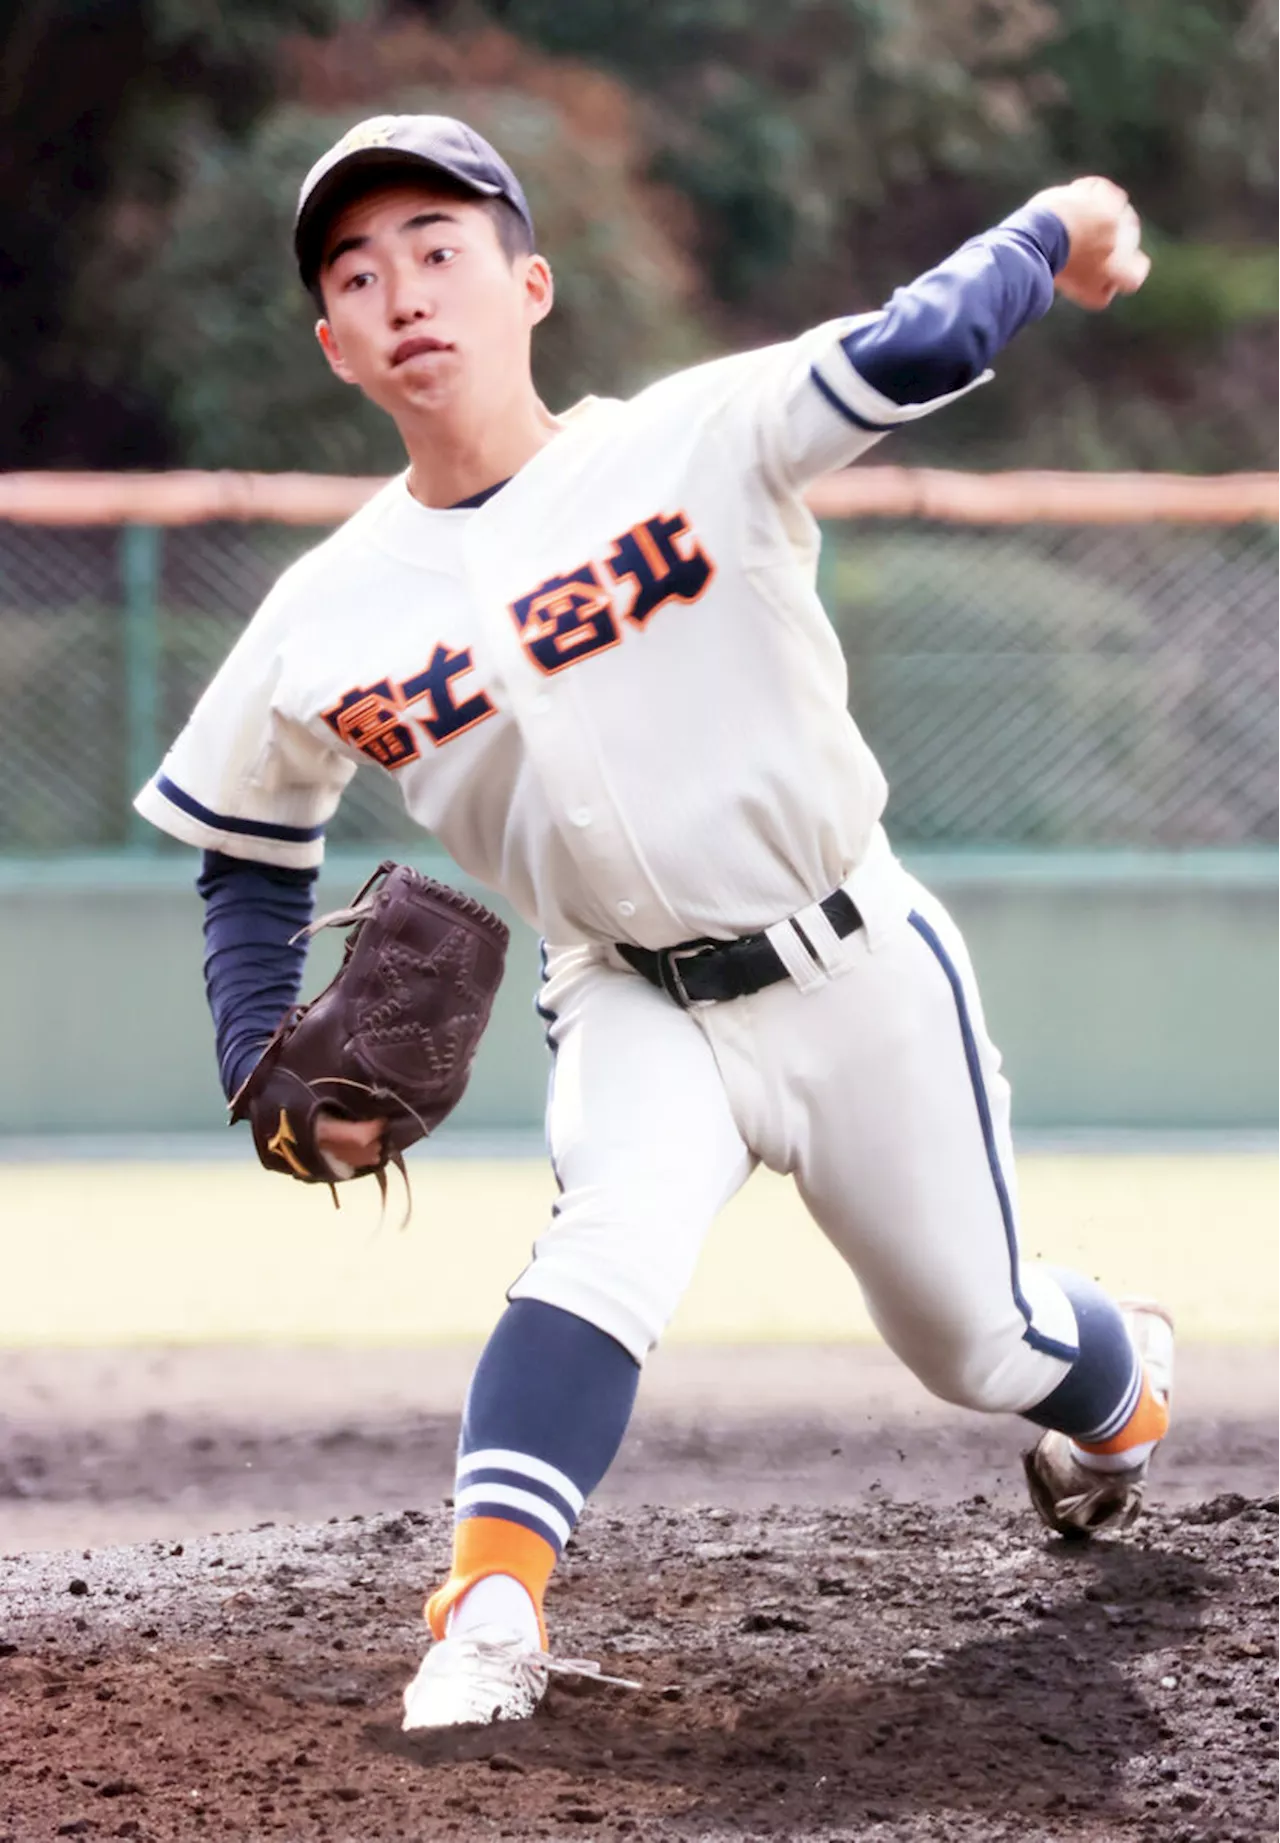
{"x": 1105, "y": 258}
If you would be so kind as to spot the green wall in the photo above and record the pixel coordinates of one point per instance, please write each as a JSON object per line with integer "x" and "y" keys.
{"x": 1125, "y": 991}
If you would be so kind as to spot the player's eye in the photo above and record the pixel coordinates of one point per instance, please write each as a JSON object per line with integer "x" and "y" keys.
{"x": 439, "y": 256}
{"x": 361, "y": 279}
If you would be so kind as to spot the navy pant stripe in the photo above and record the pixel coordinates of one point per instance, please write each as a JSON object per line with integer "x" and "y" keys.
{"x": 1037, "y": 1340}
{"x": 549, "y": 1020}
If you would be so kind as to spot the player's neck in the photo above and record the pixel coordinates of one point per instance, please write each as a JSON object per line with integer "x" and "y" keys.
{"x": 448, "y": 464}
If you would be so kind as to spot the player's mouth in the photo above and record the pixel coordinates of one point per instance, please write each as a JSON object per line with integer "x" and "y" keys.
{"x": 417, "y": 347}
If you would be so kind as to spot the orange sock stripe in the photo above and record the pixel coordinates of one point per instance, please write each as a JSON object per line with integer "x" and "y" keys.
{"x": 1149, "y": 1421}
{"x": 489, "y": 1545}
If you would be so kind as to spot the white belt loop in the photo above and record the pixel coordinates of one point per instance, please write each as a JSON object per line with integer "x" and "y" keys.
{"x": 879, "y": 889}
{"x": 795, "y": 956}
{"x": 831, "y": 950}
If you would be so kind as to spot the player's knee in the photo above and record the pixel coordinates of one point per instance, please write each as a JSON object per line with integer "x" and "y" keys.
{"x": 625, "y": 1304}
{"x": 986, "y": 1374}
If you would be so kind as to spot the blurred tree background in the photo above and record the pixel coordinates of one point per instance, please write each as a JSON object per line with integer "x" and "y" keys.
{"x": 705, "y": 174}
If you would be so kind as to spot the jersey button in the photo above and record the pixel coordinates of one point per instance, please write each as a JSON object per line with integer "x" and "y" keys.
{"x": 581, "y": 815}
{"x": 626, "y": 908}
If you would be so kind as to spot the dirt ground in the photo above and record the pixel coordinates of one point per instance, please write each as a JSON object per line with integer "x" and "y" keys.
{"x": 847, "y": 1623}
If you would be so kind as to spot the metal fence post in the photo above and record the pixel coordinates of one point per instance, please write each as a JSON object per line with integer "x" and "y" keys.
{"x": 140, "y": 581}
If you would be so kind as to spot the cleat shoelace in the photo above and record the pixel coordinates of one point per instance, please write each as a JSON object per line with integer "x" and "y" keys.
{"x": 583, "y": 1667}
{"x": 500, "y": 1651}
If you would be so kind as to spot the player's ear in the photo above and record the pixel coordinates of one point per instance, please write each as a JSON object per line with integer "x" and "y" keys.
{"x": 333, "y": 352}
{"x": 539, "y": 289}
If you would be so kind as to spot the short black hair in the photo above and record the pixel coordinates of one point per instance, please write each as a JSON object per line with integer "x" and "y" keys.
{"x": 514, "y": 236}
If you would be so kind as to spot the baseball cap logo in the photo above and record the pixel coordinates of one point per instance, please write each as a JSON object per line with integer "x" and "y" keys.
{"x": 378, "y": 131}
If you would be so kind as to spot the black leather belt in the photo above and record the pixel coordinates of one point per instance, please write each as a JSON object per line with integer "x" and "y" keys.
{"x": 709, "y": 972}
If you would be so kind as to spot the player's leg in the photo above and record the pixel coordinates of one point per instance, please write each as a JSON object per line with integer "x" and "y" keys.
{"x": 645, "y": 1153}
{"x": 902, "y": 1150}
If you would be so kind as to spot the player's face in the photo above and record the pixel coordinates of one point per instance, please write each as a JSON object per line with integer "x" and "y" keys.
{"x": 424, "y": 311}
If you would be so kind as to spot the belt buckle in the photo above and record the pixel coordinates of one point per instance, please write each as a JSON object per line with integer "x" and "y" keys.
{"x": 672, "y": 983}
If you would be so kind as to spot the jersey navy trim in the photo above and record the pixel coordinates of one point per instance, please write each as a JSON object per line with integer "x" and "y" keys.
{"x": 481, "y": 498}
{"x": 223, "y": 822}
{"x": 1051, "y": 1347}
{"x": 850, "y": 415}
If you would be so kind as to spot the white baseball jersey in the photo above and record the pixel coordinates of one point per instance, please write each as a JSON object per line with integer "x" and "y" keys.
{"x": 610, "y": 691}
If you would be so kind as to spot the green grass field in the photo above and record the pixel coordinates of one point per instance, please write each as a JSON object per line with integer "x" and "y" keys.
{"x": 113, "y": 1253}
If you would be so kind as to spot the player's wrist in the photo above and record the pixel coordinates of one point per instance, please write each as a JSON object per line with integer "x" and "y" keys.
{"x": 1047, "y": 231}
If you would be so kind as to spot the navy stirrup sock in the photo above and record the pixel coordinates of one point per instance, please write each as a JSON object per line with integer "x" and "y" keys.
{"x": 553, "y": 1394}
{"x": 1103, "y": 1387}
{"x": 545, "y": 1415}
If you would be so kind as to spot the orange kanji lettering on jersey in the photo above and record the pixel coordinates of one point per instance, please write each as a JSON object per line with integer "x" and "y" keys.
{"x": 566, "y": 618}
{"x": 445, "y": 715}
{"x": 664, "y": 561}
{"x": 371, "y": 718}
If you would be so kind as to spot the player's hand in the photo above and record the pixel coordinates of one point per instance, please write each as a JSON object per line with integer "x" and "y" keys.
{"x": 349, "y": 1145}
{"x": 1105, "y": 258}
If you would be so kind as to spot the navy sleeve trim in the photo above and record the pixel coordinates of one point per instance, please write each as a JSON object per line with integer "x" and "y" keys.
{"x": 838, "y": 403}
{"x": 224, "y": 822}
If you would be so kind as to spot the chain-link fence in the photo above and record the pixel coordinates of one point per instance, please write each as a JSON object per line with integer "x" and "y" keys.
{"x": 1064, "y": 685}
{"x": 1041, "y": 685}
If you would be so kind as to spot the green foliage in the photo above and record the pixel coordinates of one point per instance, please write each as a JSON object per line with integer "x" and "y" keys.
{"x": 218, "y": 326}
{"x": 833, "y": 148}
{"x": 807, "y": 159}
{"x": 1201, "y": 292}
{"x": 1176, "y": 97}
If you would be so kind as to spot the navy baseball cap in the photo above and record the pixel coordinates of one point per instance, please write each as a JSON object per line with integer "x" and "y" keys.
{"x": 408, "y": 145}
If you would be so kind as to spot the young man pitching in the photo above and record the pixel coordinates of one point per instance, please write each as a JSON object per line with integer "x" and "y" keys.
{"x": 589, "y": 649}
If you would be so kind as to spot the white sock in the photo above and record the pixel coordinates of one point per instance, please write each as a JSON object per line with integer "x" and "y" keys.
{"x": 1128, "y": 1461}
{"x": 501, "y": 1600}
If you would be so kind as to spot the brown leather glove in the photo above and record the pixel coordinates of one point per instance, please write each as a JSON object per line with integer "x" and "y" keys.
{"x": 394, "y": 1033}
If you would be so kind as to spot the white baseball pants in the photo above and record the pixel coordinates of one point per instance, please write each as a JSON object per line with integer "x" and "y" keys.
{"x": 869, "y": 1078}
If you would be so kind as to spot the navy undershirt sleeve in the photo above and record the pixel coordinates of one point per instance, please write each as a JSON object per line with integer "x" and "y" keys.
{"x": 252, "y": 968}
{"x": 940, "y": 333}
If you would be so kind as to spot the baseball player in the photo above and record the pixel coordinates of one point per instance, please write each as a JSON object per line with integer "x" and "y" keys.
{"x": 589, "y": 649}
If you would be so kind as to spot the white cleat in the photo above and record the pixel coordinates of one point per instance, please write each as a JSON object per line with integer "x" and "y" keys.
{"x": 1077, "y": 1500}
{"x": 489, "y": 1674}
{"x": 1151, "y": 1329}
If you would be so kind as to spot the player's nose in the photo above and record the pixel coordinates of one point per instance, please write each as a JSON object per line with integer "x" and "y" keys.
{"x": 408, "y": 298}
{"x": 404, "y": 311}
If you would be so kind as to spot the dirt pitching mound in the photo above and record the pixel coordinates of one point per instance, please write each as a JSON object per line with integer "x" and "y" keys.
{"x": 890, "y": 1672}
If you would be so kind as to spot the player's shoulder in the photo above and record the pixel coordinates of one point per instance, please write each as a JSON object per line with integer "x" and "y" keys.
{"x": 323, "y": 571}
{"x": 736, "y": 380}
{"x": 683, "y": 403}
{"x": 712, "y": 381}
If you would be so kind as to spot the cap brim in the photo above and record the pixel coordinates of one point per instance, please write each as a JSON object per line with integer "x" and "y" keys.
{"x": 344, "y": 181}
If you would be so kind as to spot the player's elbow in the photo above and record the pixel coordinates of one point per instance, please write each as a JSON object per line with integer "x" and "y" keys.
{"x": 911, "y": 372}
